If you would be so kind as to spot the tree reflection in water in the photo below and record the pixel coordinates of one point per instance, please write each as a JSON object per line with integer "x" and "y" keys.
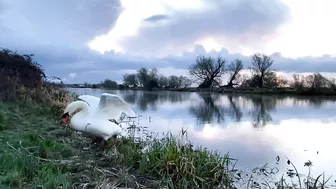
{"x": 262, "y": 105}
{"x": 211, "y": 110}
{"x": 149, "y": 100}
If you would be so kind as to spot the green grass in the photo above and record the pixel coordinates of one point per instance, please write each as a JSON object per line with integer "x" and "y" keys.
{"x": 38, "y": 153}
{"x": 30, "y": 155}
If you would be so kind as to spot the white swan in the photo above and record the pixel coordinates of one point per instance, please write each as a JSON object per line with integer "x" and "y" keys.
{"x": 95, "y": 114}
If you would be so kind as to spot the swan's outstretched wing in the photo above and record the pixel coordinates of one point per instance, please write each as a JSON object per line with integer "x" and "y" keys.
{"x": 111, "y": 106}
{"x": 92, "y": 101}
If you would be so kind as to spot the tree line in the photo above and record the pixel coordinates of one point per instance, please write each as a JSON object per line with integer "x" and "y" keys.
{"x": 145, "y": 79}
{"x": 209, "y": 72}
{"x": 151, "y": 78}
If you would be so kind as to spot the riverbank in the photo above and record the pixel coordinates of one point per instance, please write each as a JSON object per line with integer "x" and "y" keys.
{"x": 39, "y": 153}
{"x": 241, "y": 90}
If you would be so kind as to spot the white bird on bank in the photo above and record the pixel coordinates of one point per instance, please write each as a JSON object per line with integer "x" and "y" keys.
{"x": 95, "y": 115}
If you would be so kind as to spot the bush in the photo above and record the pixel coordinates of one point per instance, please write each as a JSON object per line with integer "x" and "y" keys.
{"x": 23, "y": 79}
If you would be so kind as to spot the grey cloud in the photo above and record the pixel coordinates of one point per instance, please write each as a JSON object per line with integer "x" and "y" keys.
{"x": 93, "y": 67}
{"x": 55, "y": 33}
{"x": 156, "y": 18}
{"x": 58, "y": 23}
{"x": 241, "y": 21}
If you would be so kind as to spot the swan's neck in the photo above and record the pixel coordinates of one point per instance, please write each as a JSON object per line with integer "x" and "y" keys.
{"x": 78, "y": 121}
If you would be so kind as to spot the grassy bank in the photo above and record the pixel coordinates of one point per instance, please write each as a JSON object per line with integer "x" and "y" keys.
{"x": 39, "y": 153}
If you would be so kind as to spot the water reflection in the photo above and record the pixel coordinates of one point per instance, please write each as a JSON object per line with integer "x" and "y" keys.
{"x": 253, "y": 128}
{"x": 262, "y": 106}
{"x": 207, "y": 111}
{"x": 216, "y": 108}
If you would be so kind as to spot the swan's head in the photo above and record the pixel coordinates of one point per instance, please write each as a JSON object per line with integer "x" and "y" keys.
{"x": 73, "y": 108}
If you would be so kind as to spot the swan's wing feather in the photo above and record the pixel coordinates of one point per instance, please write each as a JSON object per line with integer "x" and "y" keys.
{"x": 111, "y": 106}
{"x": 91, "y": 100}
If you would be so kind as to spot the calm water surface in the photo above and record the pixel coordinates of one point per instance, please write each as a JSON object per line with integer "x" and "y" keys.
{"x": 253, "y": 128}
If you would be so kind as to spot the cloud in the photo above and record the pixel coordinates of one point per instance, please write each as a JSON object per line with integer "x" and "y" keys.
{"x": 72, "y": 75}
{"x": 93, "y": 67}
{"x": 156, "y": 18}
{"x": 58, "y": 33}
{"x": 242, "y": 22}
{"x": 56, "y": 23}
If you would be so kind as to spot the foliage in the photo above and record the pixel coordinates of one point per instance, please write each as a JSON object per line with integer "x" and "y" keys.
{"x": 109, "y": 84}
{"x": 130, "y": 80}
{"x": 151, "y": 79}
{"x": 29, "y": 149}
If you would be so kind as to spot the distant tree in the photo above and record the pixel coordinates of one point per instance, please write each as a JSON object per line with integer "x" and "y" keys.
{"x": 299, "y": 81}
{"x": 109, "y": 84}
{"x": 121, "y": 86}
{"x": 153, "y": 74}
{"x": 244, "y": 81}
{"x": 261, "y": 64}
{"x": 163, "y": 81}
{"x": 207, "y": 71}
{"x": 282, "y": 81}
{"x": 148, "y": 78}
{"x": 151, "y": 84}
{"x": 174, "y": 82}
{"x": 332, "y": 83}
{"x": 234, "y": 68}
{"x": 130, "y": 80}
{"x": 142, "y": 76}
{"x": 86, "y": 85}
{"x": 270, "y": 80}
{"x": 316, "y": 81}
{"x": 152, "y": 79}
{"x": 185, "y": 81}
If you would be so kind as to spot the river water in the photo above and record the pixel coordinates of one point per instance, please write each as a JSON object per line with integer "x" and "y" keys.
{"x": 253, "y": 128}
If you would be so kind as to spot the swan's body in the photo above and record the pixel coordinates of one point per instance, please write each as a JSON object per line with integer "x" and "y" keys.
{"x": 118, "y": 105}
{"x": 94, "y": 115}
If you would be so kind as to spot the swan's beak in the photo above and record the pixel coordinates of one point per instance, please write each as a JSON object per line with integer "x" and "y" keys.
{"x": 66, "y": 119}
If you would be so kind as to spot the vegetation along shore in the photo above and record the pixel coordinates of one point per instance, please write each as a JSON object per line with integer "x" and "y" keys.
{"x": 37, "y": 152}
{"x": 208, "y": 73}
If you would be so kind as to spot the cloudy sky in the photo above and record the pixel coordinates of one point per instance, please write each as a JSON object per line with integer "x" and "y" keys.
{"x": 83, "y": 40}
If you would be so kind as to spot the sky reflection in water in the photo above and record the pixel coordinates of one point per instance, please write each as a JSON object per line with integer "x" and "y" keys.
{"x": 253, "y": 128}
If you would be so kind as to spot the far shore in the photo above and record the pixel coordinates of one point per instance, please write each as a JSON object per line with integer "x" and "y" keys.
{"x": 264, "y": 91}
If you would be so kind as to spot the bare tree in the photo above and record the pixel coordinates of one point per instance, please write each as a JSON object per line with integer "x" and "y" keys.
{"x": 207, "y": 71}
{"x": 270, "y": 80}
{"x": 282, "y": 81}
{"x": 185, "y": 81}
{"x": 332, "y": 83}
{"x": 299, "y": 81}
{"x": 174, "y": 82}
{"x": 234, "y": 68}
{"x": 316, "y": 81}
{"x": 261, "y": 64}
